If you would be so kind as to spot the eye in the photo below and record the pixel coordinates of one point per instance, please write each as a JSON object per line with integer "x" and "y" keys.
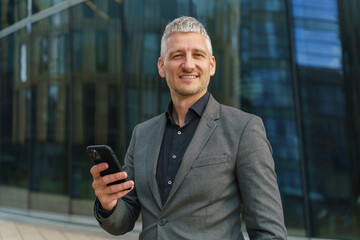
{"x": 199, "y": 55}
{"x": 175, "y": 56}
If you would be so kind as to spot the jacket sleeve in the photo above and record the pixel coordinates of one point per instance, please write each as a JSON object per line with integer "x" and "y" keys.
{"x": 127, "y": 210}
{"x": 259, "y": 191}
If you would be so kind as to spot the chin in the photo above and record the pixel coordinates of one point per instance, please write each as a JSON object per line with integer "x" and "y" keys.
{"x": 187, "y": 93}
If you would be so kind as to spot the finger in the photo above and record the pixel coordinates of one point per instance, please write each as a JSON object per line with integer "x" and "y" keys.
{"x": 103, "y": 181}
{"x": 121, "y": 187}
{"x": 120, "y": 194}
{"x": 114, "y": 177}
{"x": 96, "y": 169}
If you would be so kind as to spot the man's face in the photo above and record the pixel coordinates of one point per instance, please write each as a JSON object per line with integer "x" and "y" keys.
{"x": 186, "y": 64}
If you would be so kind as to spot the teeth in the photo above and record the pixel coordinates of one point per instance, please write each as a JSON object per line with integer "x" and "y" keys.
{"x": 188, "y": 77}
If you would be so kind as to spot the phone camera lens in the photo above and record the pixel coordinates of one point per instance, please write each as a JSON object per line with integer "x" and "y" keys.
{"x": 94, "y": 154}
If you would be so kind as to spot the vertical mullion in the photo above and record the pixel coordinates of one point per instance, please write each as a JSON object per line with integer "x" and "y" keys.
{"x": 29, "y": 157}
{"x": 69, "y": 110}
{"x": 300, "y": 123}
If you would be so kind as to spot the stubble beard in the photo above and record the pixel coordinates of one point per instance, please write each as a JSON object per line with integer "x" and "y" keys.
{"x": 190, "y": 92}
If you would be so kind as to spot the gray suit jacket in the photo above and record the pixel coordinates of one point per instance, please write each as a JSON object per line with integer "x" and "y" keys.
{"x": 227, "y": 172}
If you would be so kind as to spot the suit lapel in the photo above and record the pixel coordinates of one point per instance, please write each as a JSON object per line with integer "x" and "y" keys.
{"x": 202, "y": 134}
{"x": 152, "y": 156}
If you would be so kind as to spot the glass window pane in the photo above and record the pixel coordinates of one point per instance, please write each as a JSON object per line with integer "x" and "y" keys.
{"x": 15, "y": 112}
{"x": 40, "y": 5}
{"x": 49, "y": 116}
{"x": 267, "y": 90}
{"x": 327, "y": 113}
{"x": 97, "y": 93}
{"x": 12, "y": 12}
{"x": 88, "y": 75}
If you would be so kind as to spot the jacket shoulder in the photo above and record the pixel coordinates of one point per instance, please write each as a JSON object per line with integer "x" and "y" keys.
{"x": 223, "y": 112}
{"x": 232, "y": 111}
{"x": 234, "y": 116}
{"x": 150, "y": 123}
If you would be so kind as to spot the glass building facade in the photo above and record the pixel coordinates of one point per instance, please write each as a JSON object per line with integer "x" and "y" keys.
{"x": 80, "y": 72}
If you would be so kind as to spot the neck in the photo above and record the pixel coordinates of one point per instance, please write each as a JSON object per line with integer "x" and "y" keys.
{"x": 181, "y": 107}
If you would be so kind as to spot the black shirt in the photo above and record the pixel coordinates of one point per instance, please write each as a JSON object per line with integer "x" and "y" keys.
{"x": 174, "y": 144}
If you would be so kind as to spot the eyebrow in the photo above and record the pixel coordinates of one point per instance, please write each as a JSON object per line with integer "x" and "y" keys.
{"x": 194, "y": 50}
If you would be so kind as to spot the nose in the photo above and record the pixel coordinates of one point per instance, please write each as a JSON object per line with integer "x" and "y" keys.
{"x": 188, "y": 64}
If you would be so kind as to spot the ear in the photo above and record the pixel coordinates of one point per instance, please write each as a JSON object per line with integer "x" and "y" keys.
{"x": 160, "y": 66}
{"x": 212, "y": 66}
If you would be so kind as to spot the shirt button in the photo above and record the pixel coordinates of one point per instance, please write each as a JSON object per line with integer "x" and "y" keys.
{"x": 169, "y": 182}
{"x": 179, "y": 132}
{"x": 174, "y": 156}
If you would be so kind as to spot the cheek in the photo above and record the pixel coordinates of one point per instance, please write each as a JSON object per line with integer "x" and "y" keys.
{"x": 207, "y": 69}
{"x": 172, "y": 68}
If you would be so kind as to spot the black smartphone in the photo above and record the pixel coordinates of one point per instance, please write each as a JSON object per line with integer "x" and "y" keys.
{"x": 104, "y": 153}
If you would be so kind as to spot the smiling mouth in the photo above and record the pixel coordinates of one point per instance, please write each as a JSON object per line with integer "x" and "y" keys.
{"x": 187, "y": 77}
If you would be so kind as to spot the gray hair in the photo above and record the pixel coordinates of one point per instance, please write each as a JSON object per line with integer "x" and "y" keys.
{"x": 184, "y": 24}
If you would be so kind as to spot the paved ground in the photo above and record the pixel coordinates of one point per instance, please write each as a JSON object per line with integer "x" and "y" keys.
{"x": 22, "y": 227}
{"x": 18, "y": 224}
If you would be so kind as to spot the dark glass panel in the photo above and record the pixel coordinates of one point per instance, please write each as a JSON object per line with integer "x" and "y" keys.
{"x": 44, "y": 58}
{"x": 12, "y": 11}
{"x": 349, "y": 12}
{"x": 332, "y": 161}
{"x": 39, "y": 5}
{"x": 267, "y": 90}
{"x": 77, "y": 48}
{"x": 88, "y": 9}
{"x": 98, "y": 108}
{"x": 89, "y": 102}
{"x": 109, "y": 83}
{"x": 49, "y": 115}
{"x": 114, "y": 119}
{"x": 151, "y": 51}
{"x": 115, "y": 9}
{"x": 15, "y": 111}
{"x": 101, "y": 50}
{"x": 132, "y": 109}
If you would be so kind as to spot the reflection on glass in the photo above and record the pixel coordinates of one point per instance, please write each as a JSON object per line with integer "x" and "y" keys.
{"x": 327, "y": 146}
{"x": 97, "y": 93}
{"x": 23, "y": 63}
{"x": 266, "y": 90}
{"x": 39, "y": 5}
{"x": 43, "y": 55}
{"x": 349, "y": 12}
{"x": 53, "y": 98}
{"x": 77, "y": 56}
{"x": 88, "y": 75}
{"x": 48, "y": 115}
{"x": 101, "y": 53}
{"x": 58, "y": 62}
{"x": 151, "y": 50}
{"x": 15, "y": 109}
{"x": 317, "y": 34}
{"x": 12, "y": 12}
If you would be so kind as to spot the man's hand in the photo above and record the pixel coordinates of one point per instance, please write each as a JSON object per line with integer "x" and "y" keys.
{"x": 108, "y": 195}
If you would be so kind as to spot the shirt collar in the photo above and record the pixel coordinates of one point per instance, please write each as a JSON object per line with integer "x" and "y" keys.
{"x": 198, "y": 108}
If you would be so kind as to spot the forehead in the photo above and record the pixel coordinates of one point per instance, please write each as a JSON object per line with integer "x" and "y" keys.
{"x": 181, "y": 41}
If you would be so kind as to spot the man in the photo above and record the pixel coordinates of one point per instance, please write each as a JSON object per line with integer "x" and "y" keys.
{"x": 196, "y": 169}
